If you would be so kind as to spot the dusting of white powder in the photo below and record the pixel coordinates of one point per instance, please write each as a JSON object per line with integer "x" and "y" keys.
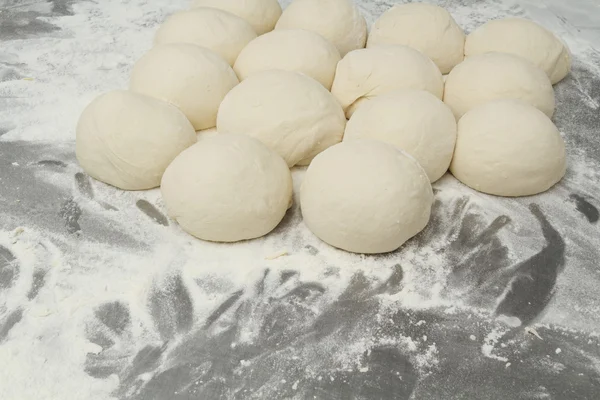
{"x": 489, "y": 344}
{"x": 92, "y": 53}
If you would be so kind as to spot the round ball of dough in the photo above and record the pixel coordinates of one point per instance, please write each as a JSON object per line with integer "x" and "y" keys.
{"x": 508, "y": 148}
{"x": 217, "y": 30}
{"x": 412, "y": 120}
{"x": 206, "y": 133}
{"x": 290, "y": 50}
{"x": 425, "y": 27}
{"x": 523, "y": 38}
{"x": 127, "y": 139}
{"x": 292, "y": 114}
{"x": 191, "y": 77}
{"x": 493, "y": 76}
{"x": 367, "y": 73}
{"x": 365, "y": 196}
{"x": 261, "y": 14}
{"x": 338, "y": 21}
{"x": 227, "y": 188}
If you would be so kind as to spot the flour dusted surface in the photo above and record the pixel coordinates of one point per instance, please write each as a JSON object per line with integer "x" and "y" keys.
{"x": 102, "y": 297}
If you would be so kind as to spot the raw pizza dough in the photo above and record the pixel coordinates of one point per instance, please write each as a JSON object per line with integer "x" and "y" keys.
{"x": 292, "y": 114}
{"x": 191, "y": 77}
{"x": 523, "y": 38}
{"x": 290, "y": 50}
{"x": 338, "y": 21}
{"x": 127, "y": 139}
{"x": 261, "y": 14}
{"x": 227, "y": 188}
{"x": 508, "y": 148}
{"x": 367, "y": 73}
{"x": 206, "y": 133}
{"x": 493, "y": 76}
{"x": 412, "y": 120}
{"x": 425, "y": 27}
{"x": 217, "y": 30}
{"x": 365, "y": 196}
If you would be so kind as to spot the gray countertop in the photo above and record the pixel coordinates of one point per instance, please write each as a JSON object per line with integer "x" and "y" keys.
{"x": 103, "y": 297}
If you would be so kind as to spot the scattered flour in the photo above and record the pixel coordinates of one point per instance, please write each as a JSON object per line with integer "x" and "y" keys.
{"x": 92, "y": 53}
{"x": 490, "y": 342}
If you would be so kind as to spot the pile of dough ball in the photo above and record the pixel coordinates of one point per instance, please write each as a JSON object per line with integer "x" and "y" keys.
{"x": 235, "y": 93}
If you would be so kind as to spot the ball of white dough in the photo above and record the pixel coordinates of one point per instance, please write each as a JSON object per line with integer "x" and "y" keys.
{"x": 425, "y": 27}
{"x": 494, "y": 76}
{"x": 227, "y": 188}
{"x": 261, "y": 14}
{"x": 523, "y": 38}
{"x": 292, "y": 114}
{"x": 338, "y": 21}
{"x": 508, "y": 148}
{"x": 206, "y": 133}
{"x": 412, "y": 120}
{"x": 290, "y": 50}
{"x": 191, "y": 77}
{"x": 127, "y": 139}
{"x": 365, "y": 196}
{"x": 217, "y": 30}
{"x": 367, "y": 73}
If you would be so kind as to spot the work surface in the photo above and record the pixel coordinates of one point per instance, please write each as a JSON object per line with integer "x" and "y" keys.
{"x": 103, "y": 297}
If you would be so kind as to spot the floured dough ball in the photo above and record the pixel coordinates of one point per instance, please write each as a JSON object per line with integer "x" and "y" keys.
{"x": 367, "y": 73}
{"x": 127, "y": 139}
{"x": 261, "y": 14}
{"x": 523, "y": 38}
{"x": 365, "y": 196}
{"x": 227, "y": 188}
{"x": 292, "y": 114}
{"x": 493, "y": 76}
{"x": 290, "y": 50}
{"x": 191, "y": 77}
{"x": 412, "y": 120}
{"x": 425, "y": 27}
{"x": 508, "y": 148}
{"x": 217, "y": 30}
{"x": 338, "y": 21}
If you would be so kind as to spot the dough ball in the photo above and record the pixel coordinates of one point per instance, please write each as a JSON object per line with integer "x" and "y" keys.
{"x": 412, "y": 120}
{"x": 227, "y": 188}
{"x": 206, "y": 133}
{"x": 493, "y": 76}
{"x": 292, "y": 114}
{"x": 367, "y": 73}
{"x": 365, "y": 196}
{"x": 523, "y": 38}
{"x": 338, "y": 21}
{"x": 127, "y": 139}
{"x": 290, "y": 50}
{"x": 217, "y": 30}
{"x": 425, "y": 27}
{"x": 508, "y": 148}
{"x": 191, "y": 77}
{"x": 261, "y": 14}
